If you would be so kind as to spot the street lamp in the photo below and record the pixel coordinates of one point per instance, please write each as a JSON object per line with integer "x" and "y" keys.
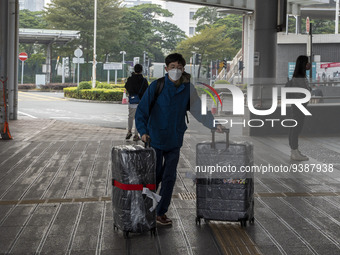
{"x": 123, "y": 52}
{"x": 94, "y": 46}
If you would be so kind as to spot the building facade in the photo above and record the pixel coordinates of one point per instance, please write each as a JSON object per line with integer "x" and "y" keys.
{"x": 183, "y": 13}
{"x": 32, "y": 5}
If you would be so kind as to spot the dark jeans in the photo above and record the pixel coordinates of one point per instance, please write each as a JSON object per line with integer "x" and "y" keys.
{"x": 294, "y": 132}
{"x": 166, "y": 170}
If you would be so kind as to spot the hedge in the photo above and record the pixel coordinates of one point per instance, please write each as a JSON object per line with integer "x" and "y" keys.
{"x": 85, "y": 85}
{"x": 105, "y": 85}
{"x": 57, "y": 86}
{"x": 26, "y": 86}
{"x": 95, "y": 94}
{"x": 49, "y": 86}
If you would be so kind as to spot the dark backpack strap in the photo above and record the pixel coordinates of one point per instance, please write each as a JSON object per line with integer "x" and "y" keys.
{"x": 159, "y": 88}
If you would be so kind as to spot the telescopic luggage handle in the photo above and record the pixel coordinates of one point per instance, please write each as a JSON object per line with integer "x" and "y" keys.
{"x": 226, "y": 131}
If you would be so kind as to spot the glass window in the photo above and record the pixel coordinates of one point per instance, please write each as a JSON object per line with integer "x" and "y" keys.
{"x": 191, "y": 30}
{"x": 192, "y": 15}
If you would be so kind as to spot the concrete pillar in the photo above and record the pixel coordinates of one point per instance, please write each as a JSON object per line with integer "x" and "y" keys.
{"x": 3, "y": 57}
{"x": 13, "y": 39}
{"x": 265, "y": 47}
{"x": 48, "y": 63}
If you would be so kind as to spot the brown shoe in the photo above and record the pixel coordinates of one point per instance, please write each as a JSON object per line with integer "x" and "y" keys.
{"x": 163, "y": 220}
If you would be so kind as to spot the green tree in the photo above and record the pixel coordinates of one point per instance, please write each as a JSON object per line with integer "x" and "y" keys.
{"x": 319, "y": 26}
{"x": 79, "y": 15}
{"x": 35, "y": 20}
{"x": 206, "y": 16}
{"x": 210, "y": 43}
{"x": 150, "y": 34}
{"x": 233, "y": 24}
{"x": 137, "y": 28}
{"x": 210, "y": 17}
{"x": 29, "y": 19}
{"x": 32, "y": 20}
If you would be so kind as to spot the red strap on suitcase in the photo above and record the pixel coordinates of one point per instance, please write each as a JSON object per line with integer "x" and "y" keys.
{"x": 132, "y": 186}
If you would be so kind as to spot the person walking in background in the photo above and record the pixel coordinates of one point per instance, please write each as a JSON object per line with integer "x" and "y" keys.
{"x": 299, "y": 80}
{"x": 135, "y": 85}
{"x": 161, "y": 116}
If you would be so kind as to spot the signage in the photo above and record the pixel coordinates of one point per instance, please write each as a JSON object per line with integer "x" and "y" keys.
{"x": 23, "y": 56}
{"x": 78, "y": 53}
{"x": 78, "y": 61}
{"x": 307, "y": 25}
{"x": 113, "y": 66}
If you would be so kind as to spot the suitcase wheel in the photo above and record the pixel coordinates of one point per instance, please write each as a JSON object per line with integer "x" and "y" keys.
{"x": 126, "y": 234}
{"x": 153, "y": 231}
{"x": 198, "y": 221}
{"x": 243, "y": 223}
{"x": 252, "y": 220}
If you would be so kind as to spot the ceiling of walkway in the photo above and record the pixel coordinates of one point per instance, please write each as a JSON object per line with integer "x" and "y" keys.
{"x": 248, "y": 5}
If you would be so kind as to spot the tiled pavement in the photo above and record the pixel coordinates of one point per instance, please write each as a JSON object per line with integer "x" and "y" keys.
{"x": 55, "y": 198}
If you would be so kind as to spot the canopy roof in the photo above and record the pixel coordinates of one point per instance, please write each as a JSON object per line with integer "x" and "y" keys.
{"x": 46, "y": 36}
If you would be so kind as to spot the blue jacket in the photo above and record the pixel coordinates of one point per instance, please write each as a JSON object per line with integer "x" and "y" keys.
{"x": 165, "y": 124}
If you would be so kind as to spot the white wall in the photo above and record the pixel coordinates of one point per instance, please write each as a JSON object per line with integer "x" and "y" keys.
{"x": 181, "y": 16}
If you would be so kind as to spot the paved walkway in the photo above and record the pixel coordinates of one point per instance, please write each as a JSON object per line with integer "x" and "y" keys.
{"x": 55, "y": 198}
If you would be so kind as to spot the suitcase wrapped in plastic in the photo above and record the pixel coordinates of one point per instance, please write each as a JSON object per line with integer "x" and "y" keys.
{"x": 222, "y": 191}
{"x": 133, "y": 168}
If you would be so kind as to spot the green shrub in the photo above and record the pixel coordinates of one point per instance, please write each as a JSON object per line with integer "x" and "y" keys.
{"x": 71, "y": 92}
{"x": 85, "y": 85}
{"x": 222, "y": 82}
{"x": 95, "y": 94}
{"x": 118, "y": 85}
{"x": 103, "y": 85}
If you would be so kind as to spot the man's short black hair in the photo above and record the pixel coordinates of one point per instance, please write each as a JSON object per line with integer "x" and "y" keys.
{"x": 138, "y": 68}
{"x": 175, "y": 57}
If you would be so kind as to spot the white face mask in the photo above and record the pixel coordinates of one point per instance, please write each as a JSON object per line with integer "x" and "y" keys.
{"x": 175, "y": 74}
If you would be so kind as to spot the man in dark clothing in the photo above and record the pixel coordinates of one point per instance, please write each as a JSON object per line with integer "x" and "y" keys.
{"x": 164, "y": 123}
{"x": 135, "y": 85}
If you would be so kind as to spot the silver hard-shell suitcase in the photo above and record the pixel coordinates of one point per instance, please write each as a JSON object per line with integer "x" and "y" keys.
{"x": 224, "y": 196}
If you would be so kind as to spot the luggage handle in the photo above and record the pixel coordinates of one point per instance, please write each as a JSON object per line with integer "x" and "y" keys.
{"x": 213, "y": 143}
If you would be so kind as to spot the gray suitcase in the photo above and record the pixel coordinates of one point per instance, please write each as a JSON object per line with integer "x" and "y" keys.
{"x": 133, "y": 168}
{"x": 224, "y": 196}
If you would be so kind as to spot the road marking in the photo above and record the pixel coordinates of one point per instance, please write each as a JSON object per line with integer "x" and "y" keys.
{"x": 28, "y": 97}
{"x": 26, "y": 114}
{"x": 39, "y": 97}
{"x": 60, "y": 117}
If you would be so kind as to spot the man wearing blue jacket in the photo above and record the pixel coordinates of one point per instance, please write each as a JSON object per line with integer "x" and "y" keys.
{"x": 161, "y": 117}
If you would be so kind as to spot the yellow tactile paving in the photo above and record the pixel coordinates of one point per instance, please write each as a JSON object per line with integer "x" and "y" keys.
{"x": 55, "y": 200}
{"x": 233, "y": 239}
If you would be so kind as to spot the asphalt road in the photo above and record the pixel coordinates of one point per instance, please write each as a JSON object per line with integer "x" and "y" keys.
{"x": 53, "y": 105}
